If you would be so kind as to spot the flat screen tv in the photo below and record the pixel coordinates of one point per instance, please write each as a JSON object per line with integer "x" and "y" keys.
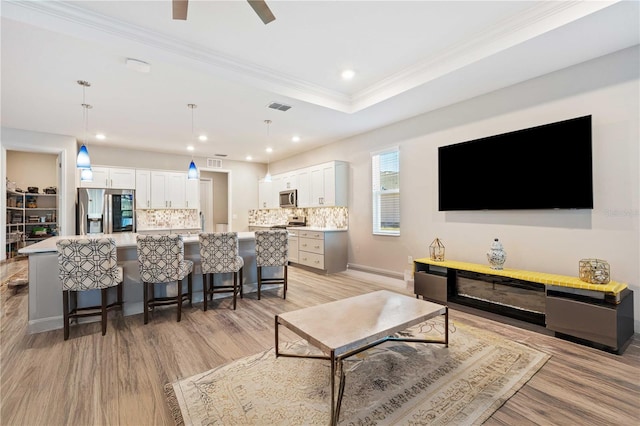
{"x": 543, "y": 167}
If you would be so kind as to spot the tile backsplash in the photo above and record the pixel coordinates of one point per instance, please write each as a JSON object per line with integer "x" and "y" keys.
{"x": 174, "y": 218}
{"x": 323, "y": 217}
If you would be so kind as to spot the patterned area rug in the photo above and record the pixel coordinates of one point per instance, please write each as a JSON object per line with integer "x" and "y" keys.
{"x": 393, "y": 383}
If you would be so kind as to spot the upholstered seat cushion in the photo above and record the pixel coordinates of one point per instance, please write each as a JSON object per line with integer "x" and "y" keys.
{"x": 88, "y": 263}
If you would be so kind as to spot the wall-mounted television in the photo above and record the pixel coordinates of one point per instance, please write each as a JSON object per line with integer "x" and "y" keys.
{"x": 543, "y": 167}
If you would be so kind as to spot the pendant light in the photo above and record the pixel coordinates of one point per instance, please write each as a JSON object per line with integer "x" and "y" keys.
{"x": 83, "y": 161}
{"x": 267, "y": 177}
{"x": 192, "y": 174}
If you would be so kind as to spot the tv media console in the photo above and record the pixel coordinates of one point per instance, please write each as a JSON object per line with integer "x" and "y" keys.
{"x": 600, "y": 314}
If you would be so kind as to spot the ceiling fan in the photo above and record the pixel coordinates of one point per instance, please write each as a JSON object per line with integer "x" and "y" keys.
{"x": 259, "y": 6}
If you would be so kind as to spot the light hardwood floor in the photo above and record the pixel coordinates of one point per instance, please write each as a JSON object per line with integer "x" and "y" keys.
{"x": 118, "y": 379}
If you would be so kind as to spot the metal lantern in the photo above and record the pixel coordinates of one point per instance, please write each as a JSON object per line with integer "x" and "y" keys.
{"x": 594, "y": 271}
{"x": 436, "y": 250}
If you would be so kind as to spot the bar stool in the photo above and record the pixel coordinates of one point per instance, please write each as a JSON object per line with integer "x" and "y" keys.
{"x": 88, "y": 264}
{"x": 219, "y": 255}
{"x": 272, "y": 249}
{"x": 161, "y": 260}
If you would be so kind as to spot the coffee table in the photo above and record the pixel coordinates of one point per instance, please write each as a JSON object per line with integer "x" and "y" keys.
{"x": 349, "y": 326}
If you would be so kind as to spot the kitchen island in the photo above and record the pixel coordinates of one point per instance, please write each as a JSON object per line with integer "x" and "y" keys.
{"x": 45, "y": 290}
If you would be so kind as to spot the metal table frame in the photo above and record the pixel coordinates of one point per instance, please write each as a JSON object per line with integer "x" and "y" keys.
{"x": 336, "y": 360}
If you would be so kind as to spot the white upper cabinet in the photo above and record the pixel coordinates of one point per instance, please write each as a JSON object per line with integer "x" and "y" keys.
{"x": 168, "y": 190}
{"x": 328, "y": 184}
{"x": 143, "y": 189}
{"x": 276, "y": 187}
{"x": 111, "y": 177}
{"x": 304, "y": 187}
{"x": 193, "y": 194}
{"x": 324, "y": 185}
{"x": 264, "y": 194}
{"x": 177, "y": 190}
{"x": 290, "y": 180}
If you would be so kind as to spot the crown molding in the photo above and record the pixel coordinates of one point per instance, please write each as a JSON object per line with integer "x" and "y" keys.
{"x": 535, "y": 21}
{"x": 67, "y": 18}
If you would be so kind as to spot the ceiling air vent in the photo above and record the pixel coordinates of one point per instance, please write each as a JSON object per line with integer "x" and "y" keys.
{"x": 214, "y": 163}
{"x": 279, "y": 106}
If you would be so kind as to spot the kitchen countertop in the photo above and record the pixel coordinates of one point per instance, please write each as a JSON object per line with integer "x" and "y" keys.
{"x": 125, "y": 239}
{"x": 318, "y": 228}
{"x": 303, "y": 228}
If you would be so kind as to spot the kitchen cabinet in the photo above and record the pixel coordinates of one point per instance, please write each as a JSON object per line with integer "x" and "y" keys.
{"x": 323, "y": 185}
{"x": 143, "y": 189}
{"x": 328, "y": 184}
{"x": 293, "y": 246}
{"x": 264, "y": 194}
{"x": 303, "y": 181}
{"x": 276, "y": 187}
{"x": 324, "y": 251}
{"x": 192, "y": 196}
{"x": 168, "y": 190}
{"x": 111, "y": 177}
{"x": 289, "y": 181}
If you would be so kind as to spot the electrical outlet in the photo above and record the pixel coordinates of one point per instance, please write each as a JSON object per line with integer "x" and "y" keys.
{"x": 409, "y": 259}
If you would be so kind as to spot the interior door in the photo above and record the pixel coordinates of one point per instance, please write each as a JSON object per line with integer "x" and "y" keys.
{"x": 206, "y": 203}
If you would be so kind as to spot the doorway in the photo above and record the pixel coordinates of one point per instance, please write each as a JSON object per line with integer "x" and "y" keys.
{"x": 206, "y": 204}
{"x": 219, "y": 192}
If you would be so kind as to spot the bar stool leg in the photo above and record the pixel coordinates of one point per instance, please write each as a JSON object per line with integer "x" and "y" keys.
{"x": 65, "y": 313}
{"x": 241, "y": 285}
{"x": 259, "y": 280}
{"x": 204, "y": 291}
{"x": 284, "y": 296}
{"x": 145, "y": 286}
{"x": 103, "y": 300}
{"x": 235, "y": 289}
{"x": 179, "y": 297}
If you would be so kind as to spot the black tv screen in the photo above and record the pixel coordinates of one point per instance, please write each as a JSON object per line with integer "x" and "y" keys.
{"x": 543, "y": 167}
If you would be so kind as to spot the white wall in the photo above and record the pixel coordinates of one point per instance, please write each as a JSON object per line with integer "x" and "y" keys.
{"x": 65, "y": 148}
{"x": 547, "y": 241}
{"x": 32, "y": 169}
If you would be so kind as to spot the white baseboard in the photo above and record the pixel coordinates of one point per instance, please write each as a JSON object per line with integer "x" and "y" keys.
{"x": 377, "y": 271}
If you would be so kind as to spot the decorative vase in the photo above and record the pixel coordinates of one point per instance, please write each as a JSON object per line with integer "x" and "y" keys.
{"x": 496, "y": 255}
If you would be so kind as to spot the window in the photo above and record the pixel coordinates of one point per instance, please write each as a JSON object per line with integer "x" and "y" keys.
{"x": 385, "y": 180}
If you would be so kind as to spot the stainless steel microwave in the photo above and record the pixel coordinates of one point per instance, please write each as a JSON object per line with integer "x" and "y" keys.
{"x": 289, "y": 198}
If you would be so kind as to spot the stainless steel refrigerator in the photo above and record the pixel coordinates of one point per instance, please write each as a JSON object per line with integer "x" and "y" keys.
{"x": 105, "y": 211}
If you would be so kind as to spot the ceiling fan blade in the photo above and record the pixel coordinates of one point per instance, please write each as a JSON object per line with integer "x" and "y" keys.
{"x": 180, "y": 9}
{"x": 263, "y": 11}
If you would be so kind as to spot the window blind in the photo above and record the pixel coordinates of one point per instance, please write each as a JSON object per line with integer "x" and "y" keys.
{"x": 385, "y": 179}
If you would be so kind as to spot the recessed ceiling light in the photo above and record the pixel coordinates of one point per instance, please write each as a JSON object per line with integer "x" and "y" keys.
{"x": 100, "y": 136}
{"x": 269, "y": 150}
{"x": 190, "y": 148}
{"x": 348, "y": 74}
{"x": 248, "y": 158}
{"x": 295, "y": 139}
{"x": 202, "y": 138}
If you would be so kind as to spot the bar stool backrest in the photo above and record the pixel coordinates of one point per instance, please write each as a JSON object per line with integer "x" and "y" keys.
{"x": 88, "y": 263}
{"x": 272, "y": 247}
{"x": 219, "y": 252}
{"x": 161, "y": 258}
